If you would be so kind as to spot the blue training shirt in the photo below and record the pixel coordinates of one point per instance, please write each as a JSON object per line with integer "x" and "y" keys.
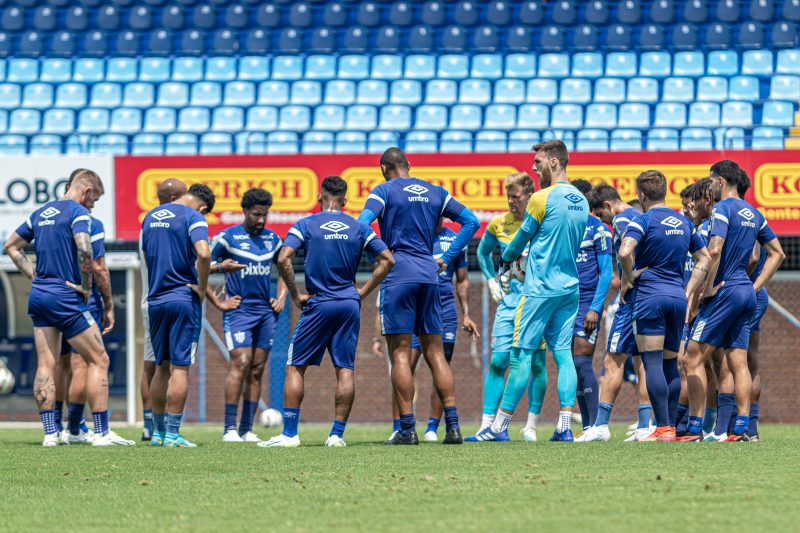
{"x": 408, "y": 211}
{"x": 595, "y": 243}
{"x": 741, "y": 225}
{"x": 441, "y": 244}
{"x": 98, "y": 237}
{"x": 257, "y": 251}
{"x": 169, "y": 233}
{"x": 333, "y": 242}
{"x": 664, "y": 238}
{"x": 620, "y": 225}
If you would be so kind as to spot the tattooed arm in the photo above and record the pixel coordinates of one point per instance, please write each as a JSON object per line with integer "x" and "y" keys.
{"x": 15, "y": 249}
{"x": 85, "y": 260}
{"x": 103, "y": 279}
{"x": 286, "y": 271}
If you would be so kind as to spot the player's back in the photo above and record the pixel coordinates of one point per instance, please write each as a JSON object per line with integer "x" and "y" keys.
{"x": 562, "y": 213}
{"x": 740, "y": 224}
{"x": 594, "y": 236}
{"x": 53, "y": 227}
{"x": 168, "y": 250}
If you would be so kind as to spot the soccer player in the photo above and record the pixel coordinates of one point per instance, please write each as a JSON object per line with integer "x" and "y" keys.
{"x": 725, "y": 316}
{"x": 609, "y": 207}
{"x": 58, "y": 305}
{"x": 408, "y": 210}
{"x": 595, "y": 272}
{"x": 250, "y": 310}
{"x": 331, "y": 307}
{"x": 661, "y": 239}
{"x": 554, "y": 225}
{"x": 174, "y": 243}
{"x": 682, "y": 413}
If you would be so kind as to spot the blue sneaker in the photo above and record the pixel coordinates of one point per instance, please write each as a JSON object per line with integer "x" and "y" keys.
{"x": 157, "y": 439}
{"x": 487, "y": 435}
{"x": 562, "y": 436}
{"x": 177, "y": 441}
{"x": 84, "y": 427}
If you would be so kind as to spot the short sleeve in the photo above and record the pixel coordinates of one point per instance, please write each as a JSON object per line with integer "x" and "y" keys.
{"x": 25, "y": 230}
{"x": 451, "y": 207}
{"x": 98, "y": 238}
{"x": 636, "y": 229}
{"x": 537, "y": 206}
{"x": 277, "y": 242}
{"x": 765, "y": 233}
{"x": 719, "y": 221}
{"x": 198, "y": 228}
{"x": 620, "y": 224}
{"x": 601, "y": 239}
{"x": 81, "y": 221}
{"x": 219, "y": 247}
{"x": 295, "y": 238}
{"x": 376, "y": 201}
{"x": 372, "y": 244}
{"x": 696, "y": 243}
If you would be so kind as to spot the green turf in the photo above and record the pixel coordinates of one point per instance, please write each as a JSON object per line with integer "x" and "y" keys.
{"x": 366, "y": 486}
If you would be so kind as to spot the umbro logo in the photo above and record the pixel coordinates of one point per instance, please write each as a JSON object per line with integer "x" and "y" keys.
{"x": 333, "y": 228}
{"x": 163, "y": 214}
{"x": 245, "y": 246}
{"x": 418, "y": 190}
{"x": 49, "y": 212}
{"x": 574, "y": 198}
{"x": 673, "y": 223}
{"x": 747, "y": 214}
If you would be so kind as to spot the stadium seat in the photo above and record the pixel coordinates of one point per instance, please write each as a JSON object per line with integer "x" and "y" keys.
{"x": 655, "y": 64}
{"x": 138, "y": 95}
{"x": 542, "y": 92}
{"x": 251, "y": 142}
{"x": 356, "y": 40}
{"x": 791, "y": 10}
{"x": 140, "y": 18}
{"x": 522, "y": 140}
{"x": 45, "y": 144}
{"x": 181, "y": 144}
{"x": 610, "y": 90}
{"x": 718, "y": 36}
{"x": 453, "y": 66}
{"x": 173, "y": 94}
{"x": 695, "y": 11}
{"x": 585, "y": 38}
{"x": 737, "y": 114}
{"x": 268, "y": 16}
{"x": 420, "y": 39}
{"x": 662, "y": 139}
{"x": 485, "y": 39}
{"x": 785, "y": 88}
{"x": 684, "y": 37}
{"x": 108, "y": 144}
{"x": 783, "y": 35}
{"x": 372, "y": 92}
{"x": 209, "y": 93}
{"x": 531, "y": 13}
{"x": 394, "y": 117}
{"x": 224, "y": 42}
{"x": 633, "y": 115}
{"x": 454, "y": 141}
{"x": 125, "y": 120}
{"x": 618, "y": 38}
{"x": 422, "y": 142}
{"x": 257, "y": 41}
{"x": 788, "y": 62}
{"x": 587, "y": 65}
{"x": 318, "y": 142}
{"x": 216, "y": 144}
{"x": 761, "y": 10}
{"x": 406, "y": 92}
{"x": 643, "y": 90}
{"x": 651, "y": 37}
{"x": 751, "y": 35}
{"x": 194, "y": 119}
{"x": 500, "y": 117}
{"x": 679, "y": 90}
{"x": 224, "y": 68}
{"x": 187, "y": 69}
{"x": 597, "y": 13}
{"x": 777, "y": 113}
{"x": 37, "y": 95}
{"x": 227, "y": 119}
{"x": 401, "y": 14}
{"x": 306, "y": 93}
{"x": 203, "y": 17}
{"x": 419, "y": 67}
{"x": 553, "y": 66}
{"x": 670, "y": 115}
{"x": 696, "y": 139}
{"x": 361, "y": 117}
{"x": 691, "y": 64}
{"x": 723, "y": 63}
{"x": 353, "y": 67}
{"x": 441, "y": 92}
{"x": 475, "y": 92}
{"x": 61, "y": 121}
{"x": 601, "y": 116}
{"x": 552, "y": 39}
{"x": 300, "y": 15}
{"x": 254, "y": 68}
{"x": 704, "y": 114}
{"x": 154, "y": 69}
{"x": 264, "y": 118}
{"x": 757, "y": 62}
{"x": 712, "y": 89}
{"x": 109, "y": 18}
{"x": 172, "y": 18}
{"x": 575, "y": 91}
{"x": 62, "y": 44}
{"x": 68, "y": 95}
{"x": 13, "y": 19}
{"x": 91, "y": 121}
{"x": 519, "y": 39}
{"x": 629, "y": 12}
{"x": 465, "y": 117}
{"x": 191, "y": 43}
{"x": 509, "y": 91}
{"x": 319, "y": 67}
{"x": 729, "y": 139}
{"x": 326, "y": 117}
{"x": 24, "y": 121}
{"x": 351, "y": 142}
{"x": 90, "y": 70}
{"x": 13, "y": 145}
{"x": 728, "y": 10}
{"x": 239, "y": 93}
{"x": 564, "y": 13}
{"x": 106, "y": 95}
{"x": 160, "y": 120}
{"x": 22, "y": 70}
{"x": 122, "y": 69}
{"x": 589, "y": 140}
{"x": 340, "y": 92}
{"x": 621, "y": 65}
{"x": 520, "y": 66}
{"x": 744, "y": 88}
{"x": 488, "y": 66}
{"x": 567, "y": 116}
{"x": 624, "y": 140}
{"x": 432, "y": 117}
{"x": 767, "y": 138}
{"x": 147, "y": 144}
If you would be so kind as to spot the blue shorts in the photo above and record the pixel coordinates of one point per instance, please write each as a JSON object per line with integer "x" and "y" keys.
{"x": 503, "y": 327}
{"x": 724, "y": 320}
{"x": 331, "y": 325}
{"x": 449, "y": 325}
{"x": 411, "y": 308}
{"x": 548, "y": 317}
{"x": 620, "y": 338}
{"x": 762, "y": 302}
{"x": 97, "y": 315}
{"x": 62, "y": 308}
{"x": 249, "y": 327}
{"x": 175, "y": 330}
{"x": 658, "y": 316}
{"x": 583, "y": 307}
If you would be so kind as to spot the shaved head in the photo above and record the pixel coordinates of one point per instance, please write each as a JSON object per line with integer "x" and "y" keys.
{"x": 170, "y": 190}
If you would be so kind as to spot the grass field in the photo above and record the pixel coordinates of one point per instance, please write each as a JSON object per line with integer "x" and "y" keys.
{"x": 366, "y": 486}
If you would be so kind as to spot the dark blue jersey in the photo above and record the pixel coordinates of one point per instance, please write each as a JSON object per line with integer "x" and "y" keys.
{"x": 620, "y": 225}
{"x": 595, "y": 243}
{"x": 257, "y": 251}
{"x": 333, "y": 242}
{"x": 441, "y": 244}
{"x": 408, "y": 211}
{"x": 98, "y": 237}
{"x": 169, "y": 233}
{"x": 762, "y": 258}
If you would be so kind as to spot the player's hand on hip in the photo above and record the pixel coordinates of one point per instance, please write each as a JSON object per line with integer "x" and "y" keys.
{"x": 87, "y": 294}
{"x": 277, "y": 305}
{"x": 471, "y": 327}
{"x": 230, "y": 304}
{"x": 302, "y": 299}
{"x": 713, "y": 291}
{"x": 200, "y": 294}
{"x": 230, "y": 265}
{"x": 442, "y": 265}
{"x": 590, "y": 322}
{"x": 108, "y": 321}
{"x": 495, "y": 291}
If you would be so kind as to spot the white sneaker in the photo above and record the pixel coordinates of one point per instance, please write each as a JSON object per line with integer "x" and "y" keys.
{"x": 595, "y": 434}
{"x": 430, "y": 436}
{"x": 250, "y": 437}
{"x": 111, "y": 439}
{"x": 639, "y": 434}
{"x": 81, "y": 438}
{"x": 53, "y": 439}
{"x": 281, "y": 441}
{"x": 577, "y": 418}
{"x": 232, "y": 436}
{"x": 528, "y": 434}
{"x": 334, "y": 441}
{"x": 711, "y": 437}
{"x": 632, "y": 427}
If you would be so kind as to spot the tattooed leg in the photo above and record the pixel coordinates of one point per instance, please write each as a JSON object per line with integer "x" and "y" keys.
{"x": 48, "y": 341}
{"x": 89, "y": 345}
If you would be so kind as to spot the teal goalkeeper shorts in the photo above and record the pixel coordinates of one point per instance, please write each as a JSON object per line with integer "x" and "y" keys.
{"x": 550, "y": 317}
{"x": 503, "y": 327}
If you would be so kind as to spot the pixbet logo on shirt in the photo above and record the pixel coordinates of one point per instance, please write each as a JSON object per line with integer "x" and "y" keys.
{"x": 256, "y": 269}
{"x": 575, "y": 199}
{"x": 333, "y": 228}
{"x": 673, "y": 223}
{"x": 47, "y": 215}
{"x": 748, "y": 217}
{"x": 161, "y": 216}
{"x": 418, "y": 190}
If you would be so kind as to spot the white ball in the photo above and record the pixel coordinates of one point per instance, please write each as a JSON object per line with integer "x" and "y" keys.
{"x": 518, "y": 266}
{"x": 271, "y": 418}
{"x": 6, "y": 380}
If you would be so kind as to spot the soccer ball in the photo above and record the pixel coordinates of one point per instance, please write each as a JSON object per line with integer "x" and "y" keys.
{"x": 518, "y": 265}
{"x": 6, "y": 379}
{"x": 271, "y": 418}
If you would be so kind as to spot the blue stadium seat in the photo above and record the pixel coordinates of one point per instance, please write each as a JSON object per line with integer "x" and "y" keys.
{"x": 356, "y": 40}
{"x": 93, "y": 121}
{"x": 784, "y": 87}
{"x": 240, "y": 93}
{"x": 690, "y": 64}
{"x": 564, "y": 13}
{"x": 181, "y": 144}
{"x": 634, "y": 115}
{"x": 13, "y": 145}
{"x": 522, "y": 140}
{"x": 432, "y": 117}
{"x": 488, "y": 66}
{"x": 791, "y": 10}
{"x": 519, "y": 39}
{"x": 154, "y": 69}
{"x": 95, "y": 44}
{"x": 553, "y": 66}
{"x": 751, "y": 35}
{"x": 318, "y": 142}
{"x": 224, "y": 42}
{"x": 465, "y": 117}
{"x": 203, "y": 17}
{"x": 68, "y": 95}
{"x": 552, "y": 39}
{"x": 601, "y": 116}
{"x": 695, "y": 11}
{"x": 353, "y": 67}
{"x": 788, "y": 62}
{"x": 109, "y": 18}
{"x": 728, "y": 11}
{"x": 24, "y": 121}
{"x": 509, "y": 92}
{"x": 306, "y": 93}
{"x": 372, "y": 92}
{"x": 475, "y": 92}
{"x": 118, "y": 69}
{"x": 160, "y": 120}
{"x": 567, "y": 117}
{"x": 491, "y": 142}
{"x": 192, "y": 42}
{"x": 585, "y": 38}
{"x": 757, "y": 62}
{"x": 147, "y": 144}
{"x": 587, "y": 65}
{"x": 712, "y": 89}
{"x": 718, "y": 36}
{"x": 453, "y": 66}
{"x": 744, "y": 88}
{"x": 173, "y": 94}
{"x": 610, "y": 90}
{"x": 300, "y": 15}
{"x": 466, "y": 13}
{"x": 729, "y": 139}
{"x": 351, "y": 142}
{"x": 22, "y": 70}
{"x": 139, "y": 94}
{"x": 643, "y": 90}
{"x": 486, "y": 39}
{"x": 140, "y": 18}
{"x": 575, "y": 91}
{"x": 56, "y": 70}
{"x": 44, "y": 18}
{"x": 106, "y": 95}
{"x": 670, "y": 115}
{"x": 783, "y": 35}
{"x": 678, "y": 90}
{"x": 334, "y": 15}
{"x": 655, "y": 64}
{"x": 621, "y": 65}
{"x": 126, "y": 44}
{"x": 257, "y": 41}
{"x": 531, "y": 13}
{"x": 387, "y": 40}
{"x": 704, "y": 114}
{"x": 618, "y": 38}
{"x": 58, "y": 121}
{"x": 368, "y": 14}
{"x": 62, "y": 44}
{"x": 229, "y": 119}
{"x": 455, "y": 142}
{"x": 12, "y": 19}
{"x": 625, "y": 140}
{"x": 268, "y": 16}
{"x": 194, "y": 119}
{"x": 761, "y": 10}
{"x": 567, "y": 137}
{"x": 651, "y": 37}
{"x": 422, "y": 142}
{"x": 500, "y": 117}
{"x": 401, "y": 14}
{"x": 207, "y": 94}
{"x": 520, "y": 66}
{"x": 597, "y": 13}
{"x": 125, "y": 120}
{"x": 723, "y": 63}
{"x": 684, "y": 37}
{"x": 777, "y": 113}
{"x": 187, "y": 69}
{"x": 662, "y": 139}
{"x": 216, "y": 144}
{"x": 45, "y": 144}
{"x": 592, "y": 141}
{"x": 340, "y": 92}
{"x": 419, "y": 67}
{"x": 767, "y": 138}
{"x": 224, "y": 68}
{"x": 282, "y": 143}
{"x": 37, "y": 96}
{"x": 361, "y": 117}
{"x": 629, "y": 12}
{"x": 273, "y": 93}
{"x": 394, "y": 117}
{"x": 254, "y": 68}
{"x": 737, "y": 114}
{"x": 542, "y": 92}
{"x": 696, "y": 139}
{"x": 172, "y": 18}
{"x": 283, "y": 68}
{"x": 387, "y": 67}
{"x": 453, "y": 39}
{"x": 662, "y": 12}
{"x": 433, "y": 13}
{"x": 406, "y": 92}
{"x": 294, "y": 118}
{"x": 261, "y": 118}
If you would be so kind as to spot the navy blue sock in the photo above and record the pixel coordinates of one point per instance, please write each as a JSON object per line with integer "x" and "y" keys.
{"x": 396, "y": 424}
{"x": 603, "y": 413}
{"x": 59, "y": 413}
{"x": 741, "y": 425}
{"x": 433, "y": 425}
{"x": 682, "y": 416}
{"x": 752, "y": 431}
{"x": 407, "y": 423}
{"x": 248, "y": 411}
{"x": 726, "y": 408}
{"x": 674, "y": 386}
{"x": 587, "y": 383}
{"x": 451, "y": 418}
{"x": 230, "y": 416}
{"x": 74, "y": 417}
{"x": 695, "y": 425}
{"x": 657, "y": 387}
{"x": 645, "y": 410}
{"x": 148, "y": 420}
{"x": 582, "y": 404}
{"x": 291, "y": 417}
{"x": 48, "y": 418}
{"x": 338, "y": 428}
{"x": 160, "y": 422}
{"x": 173, "y": 422}
{"x": 100, "y": 420}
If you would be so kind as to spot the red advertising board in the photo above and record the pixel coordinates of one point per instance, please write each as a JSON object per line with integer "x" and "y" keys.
{"x": 474, "y": 179}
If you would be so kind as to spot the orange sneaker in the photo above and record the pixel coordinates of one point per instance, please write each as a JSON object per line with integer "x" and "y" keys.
{"x": 662, "y": 434}
{"x": 733, "y": 437}
{"x": 690, "y": 438}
